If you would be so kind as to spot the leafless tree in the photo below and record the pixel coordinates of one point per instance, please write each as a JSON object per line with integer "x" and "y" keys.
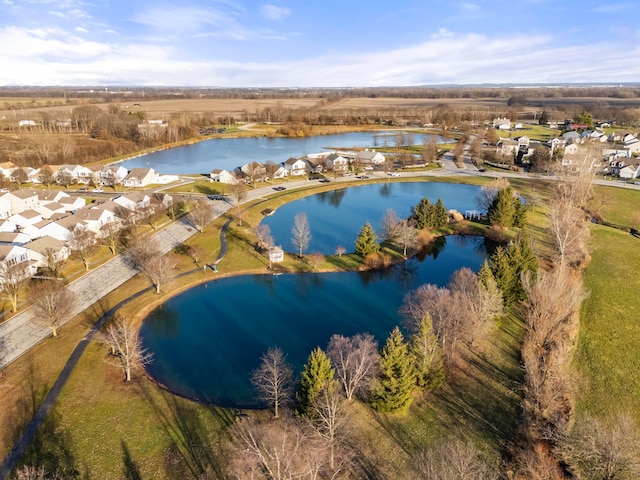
{"x": 33, "y": 473}
{"x": 200, "y": 215}
{"x": 316, "y": 258}
{"x": 43, "y": 145}
{"x": 271, "y": 169}
{"x": 153, "y": 213}
{"x": 485, "y": 301}
{"x": 605, "y": 449}
{"x": 265, "y": 240}
{"x": 82, "y": 243}
{"x": 279, "y": 450}
{"x": 355, "y": 360}
{"x": 53, "y": 303}
{"x": 147, "y": 257}
{"x": 20, "y": 176}
{"x": 329, "y": 418}
{"x": 12, "y": 280}
{"x": 407, "y": 235}
{"x": 46, "y": 176}
{"x": 124, "y": 340}
{"x": 551, "y": 327}
{"x": 52, "y": 261}
{"x": 453, "y": 459}
{"x": 340, "y": 250}
{"x": 237, "y": 192}
{"x": 389, "y": 225}
{"x": 488, "y": 193}
{"x": 273, "y": 379}
{"x": 569, "y": 232}
{"x": 112, "y": 236}
{"x": 301, "y": 233}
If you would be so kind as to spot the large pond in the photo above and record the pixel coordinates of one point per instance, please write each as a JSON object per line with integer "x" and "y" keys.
{"x": 207, "y": 340}
{"x": 229, "y": 153}
{"x": 335, "y": 217}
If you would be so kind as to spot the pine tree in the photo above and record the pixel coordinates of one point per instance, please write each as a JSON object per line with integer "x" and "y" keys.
{"x": 421, "y": 213}
{"x": 520, "y": 213}
{"x": 316, "y": 374}
{"x": 502, "y": 209}
{"x": 440, "y": 215}
{"x": 427, "y": 356}
{"x": 505, "y": 276}
{"x": 397, "y": 376}
{"x": 523, "y": 261}
{"x": 366, "y": 241}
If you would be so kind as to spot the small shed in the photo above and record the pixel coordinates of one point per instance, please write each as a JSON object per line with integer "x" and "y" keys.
{"x": 276, "y": 254}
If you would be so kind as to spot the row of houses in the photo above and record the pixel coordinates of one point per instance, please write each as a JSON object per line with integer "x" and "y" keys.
{"x": 37, "y": 224}
{"x": 338, "y": 162}
{"x": 69, "y": 174}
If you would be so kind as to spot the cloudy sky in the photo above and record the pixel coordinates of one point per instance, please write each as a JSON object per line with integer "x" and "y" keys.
{"x": 306, "y": 43}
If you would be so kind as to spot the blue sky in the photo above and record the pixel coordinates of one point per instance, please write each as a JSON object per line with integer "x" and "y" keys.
{"x": 329, "y": 43}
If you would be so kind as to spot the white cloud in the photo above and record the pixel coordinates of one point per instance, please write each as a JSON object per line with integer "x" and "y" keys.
{"x": 442, "y": 33}
{"x": 470, "y": 7}
{"x": 272, "y": 12}
{"x": 54, "y": 56}
{"x": 183, "y": 19}
{"x": 612, "y": 8}
{"x": 81, "y": 30}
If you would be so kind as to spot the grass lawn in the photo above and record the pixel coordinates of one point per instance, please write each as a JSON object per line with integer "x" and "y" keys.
{"x": 105, "y": 428}
{"x": 607, "y": 355}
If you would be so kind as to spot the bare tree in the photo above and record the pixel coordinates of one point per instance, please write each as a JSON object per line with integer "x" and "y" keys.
{"x": 277, "y": 451}
{"x": 237, "y": 192}
{"x": 53, "y": 303}
{"x": 407, "y": 235}
{"x": 200, "y": 215}
{"x": 46, "y": 176}
{"x": 340, "y": 250}
{"x": 112, "y": 236}
{"x": 82, "y": 243}
{"x": 33, "y": 473}
{"x": 301, "y": 233}
{"x": 329, "y": 418}
{"x": 452, "y": 459}
{"x": 20, "y": 176}
{"x": 273, "y": 379}
{"x": 265, "y": 240}
{"x": 147, "y": 257}
{"x": 124, "y": 340}
{"x": 605, "y": 449}
{"x": 484, "y": 301}
{"x": 52, "y": 261}
{"x": 489, "y": 192}
{"x": 13, "y": 278}
{"x": 569, "y": 232}
{"x": 355, "y": 360}
{"x": 271, "y": 168}
{"x": 389, "y": 225}
{"x": 316, "y": 258}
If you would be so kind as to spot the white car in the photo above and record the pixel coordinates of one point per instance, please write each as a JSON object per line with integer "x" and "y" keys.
{"x": 394, "y": 174}
{"x": 97, "y": 190}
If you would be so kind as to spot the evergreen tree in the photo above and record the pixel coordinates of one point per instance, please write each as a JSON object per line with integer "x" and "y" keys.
{"x": 440, "y": 215}
{"x": 366, "y": 241}
{"x": 544, "y": 118}
{"x": 522, "y": 260}
{"x": 520, "y": 214}
{"x": 505, "y": 276}
{"x": 502, "y": 209}
{"x": 397, "y": 376}
{"x": 485, "y": 275}
{"x": 421, "y": 213}
{"x": 427, "y": 355}
{"x": 316, "y": 374}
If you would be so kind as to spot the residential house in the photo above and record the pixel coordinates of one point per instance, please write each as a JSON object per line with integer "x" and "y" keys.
{"x": 27, "y": 123}
{"x": 113, "y": 175}
{"x": 369, "y": 157}
{"x": 502, "y": 123}
{"x": 507, "y": 147}
{"x": 7, "y": 168}
{"x": 315, "y": 164}
{"x": 11, "y": 255}
{"x": 337, "y": 163}
{"x": 556, "y": 143}
{"x": 280, "y": 172}
{"x": 95, "y": 218}
{"x": 222, "y": 176}
{"x": 14, "y": 238}
{"x": 140, "y": 177}
{"x": 255, "y": 172}
{"x": 69, "y": 174}
{"x": 71, "y": 204}
{"x": 49, "y": 209}
{"x": 296, "y": 167}
{"x": 21, "y": 200}
{"x": 630, "y": 171}
{"x": 58, "y": 229}
{"x": 28, "y": 217}
{"x": 571, "y": 137}
{"x": 42, "y": 247}
{"x": 5, "y": 208}
{"x": 632, "y": 146}
{"x": 51, "y": 196}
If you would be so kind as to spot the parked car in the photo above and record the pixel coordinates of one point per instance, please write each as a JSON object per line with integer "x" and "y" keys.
{"x": 97, "y": 190}
{"x": 394, "y": 174}
{"x": 83, "y": 189}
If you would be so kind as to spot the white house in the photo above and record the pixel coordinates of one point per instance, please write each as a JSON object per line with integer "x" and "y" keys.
{"x": 27, "y": 123}
{"x": 502, "y": 123}
{"x": 337, "y": 163}
{"x": 14, "y": 238}
{"x": 254, "y": 171}
{"x": 95, "y": 218}
{"x": 113, "y": 174}
{"x": 296, "y": 167}
{"x": 370, "y": 157}
{"x": 5, "y": 208}
{"x": 630, "y": 171}
{"x": 55, "y": 229}
{"x": 74, "y": 174}
{"x": 21, "y": 200}
{"x": 11, "y": 255}
{"x": 71, "y": 204}
{"x": 222, "y": 176}
{"x": 38, "y": 250}
{"x": 140, "y": 177}
{"x": 28, "y": 217}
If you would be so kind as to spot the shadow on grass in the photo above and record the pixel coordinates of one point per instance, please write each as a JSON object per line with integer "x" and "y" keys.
{"x": 131, "y": 471}
{"x": 193, "y": 452}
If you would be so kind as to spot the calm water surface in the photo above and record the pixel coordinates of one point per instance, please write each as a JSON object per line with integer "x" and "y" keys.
{"x": 336, "y": 217}
{"x": 207, "y": 340}
{"x": 229, "y": 153}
